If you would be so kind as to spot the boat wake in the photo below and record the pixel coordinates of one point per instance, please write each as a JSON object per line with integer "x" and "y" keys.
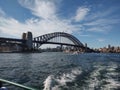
{"x": 102, "y": 77}
{"x": 58, "y": 82}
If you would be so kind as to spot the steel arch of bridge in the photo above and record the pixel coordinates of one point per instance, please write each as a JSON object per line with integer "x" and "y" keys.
{"x": 46, "y": 37}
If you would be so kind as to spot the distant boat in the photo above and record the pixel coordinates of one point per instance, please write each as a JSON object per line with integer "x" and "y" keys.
{"x": 77, "y": 52}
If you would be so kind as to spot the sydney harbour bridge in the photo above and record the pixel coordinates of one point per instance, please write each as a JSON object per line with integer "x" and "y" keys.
{"x": 28, "y": 43}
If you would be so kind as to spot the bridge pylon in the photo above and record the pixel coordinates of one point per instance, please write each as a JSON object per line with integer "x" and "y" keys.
{"x": 28, "y": 44}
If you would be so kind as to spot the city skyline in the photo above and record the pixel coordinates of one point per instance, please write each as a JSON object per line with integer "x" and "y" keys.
{"x": 95, "y": 22}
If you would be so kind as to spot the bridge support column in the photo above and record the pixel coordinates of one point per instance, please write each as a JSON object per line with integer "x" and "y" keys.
{"x": 28, "y": 45}
{"x": 61, "y": 47}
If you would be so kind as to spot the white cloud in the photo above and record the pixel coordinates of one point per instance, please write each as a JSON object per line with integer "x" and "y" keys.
{"x": 49, "y": 23}
{"x": 101, "y": 40}
{"x": 98, "y": 28}
{"x": 81, "y": 13}
{"x": 48, "y": 26}
{"x": 85, "y": 35}
{"x": 2, "y": 13}
{"x": 100, "y": 14}
{"x": 45, "y": 9}
{"x": 101, "y": 21}
{"x": 11, "y": 27}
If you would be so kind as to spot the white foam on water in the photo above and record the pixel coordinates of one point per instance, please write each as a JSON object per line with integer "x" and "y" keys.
{"x": 110, "y": 78}
{"x": 112, "y": 66}
{"x": 48, "y": 83}
{"x": 112, "y": 82}
{"x": 69, "y": 77}
{"x": 93, "y": 79}
{"x": 54, "y": 83}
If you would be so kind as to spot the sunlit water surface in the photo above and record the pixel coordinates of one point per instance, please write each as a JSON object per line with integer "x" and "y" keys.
{"x": 61, "y": 71}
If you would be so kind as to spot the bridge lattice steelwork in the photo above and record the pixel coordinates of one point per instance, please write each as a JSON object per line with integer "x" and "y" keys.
{"x": 43, "y": 39}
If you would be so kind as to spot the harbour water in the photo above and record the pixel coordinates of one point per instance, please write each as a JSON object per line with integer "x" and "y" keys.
{"x": 61, "y": 71}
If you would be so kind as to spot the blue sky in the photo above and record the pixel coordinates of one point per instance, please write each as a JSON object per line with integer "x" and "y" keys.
{"x": 95, "y": 22}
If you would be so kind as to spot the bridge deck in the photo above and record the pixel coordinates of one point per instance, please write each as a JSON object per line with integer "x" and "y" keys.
{"x": 11, "y": 39}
